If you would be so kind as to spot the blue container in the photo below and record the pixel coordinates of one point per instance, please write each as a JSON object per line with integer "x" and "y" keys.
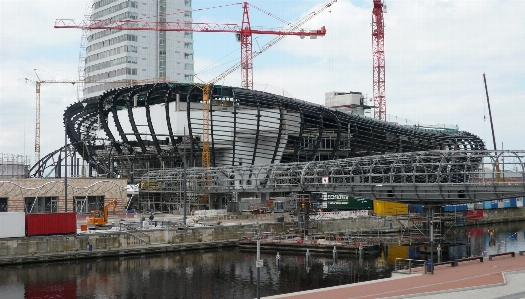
{"x": 462, "y": 207}
{"x": 513, "y": 202}
{"x": 506, "y": 203}
{"x": 487, "y": 205}
{"x": 494, "y": 204}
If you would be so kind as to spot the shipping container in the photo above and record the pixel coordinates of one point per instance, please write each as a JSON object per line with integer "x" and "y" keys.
{"x": 470, "y": 206}
{"x": 478, "y": 205}
{"x": 338, "y": 201}
{"x": 50, "y": 224}
{"x": 389, "y": 208}
{"x": 512, "y": 202}
{"x": 519, "y": 202}
{"x": 455, "y": 208}
{"x": 487, "y": 205}
{"x": 12, "y": 224}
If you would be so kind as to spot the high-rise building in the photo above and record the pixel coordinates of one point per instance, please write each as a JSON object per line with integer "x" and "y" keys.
{"x": 123, "y": 55}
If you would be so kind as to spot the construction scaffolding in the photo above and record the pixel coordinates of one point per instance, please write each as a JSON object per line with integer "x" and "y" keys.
{"x": 443, "y": 226}
{"x": 14, "y": 166}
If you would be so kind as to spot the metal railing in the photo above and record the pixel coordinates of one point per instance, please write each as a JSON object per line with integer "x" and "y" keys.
{"x": 402, "y": 265}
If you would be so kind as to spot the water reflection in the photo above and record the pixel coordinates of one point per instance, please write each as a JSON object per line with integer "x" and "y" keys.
{"x": 229, "y": 273}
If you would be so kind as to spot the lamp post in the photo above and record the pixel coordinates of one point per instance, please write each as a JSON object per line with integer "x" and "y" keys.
{"x": 184, "y": 175}
{"x": 65, "y": 164}
{"x": 258, "y": 263}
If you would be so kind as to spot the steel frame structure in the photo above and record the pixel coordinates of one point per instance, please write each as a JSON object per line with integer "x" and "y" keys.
{"x": 247, "y": 127}
{"x": 129, "y": 131}
{"x": 430, "y": 178}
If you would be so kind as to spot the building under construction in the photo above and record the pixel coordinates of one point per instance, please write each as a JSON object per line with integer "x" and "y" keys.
{"x": 14, "y": 166}
{"x": 130, "y": 131}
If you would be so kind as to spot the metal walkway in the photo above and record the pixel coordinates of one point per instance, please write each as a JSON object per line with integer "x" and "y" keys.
{"x": 430, "y": 177}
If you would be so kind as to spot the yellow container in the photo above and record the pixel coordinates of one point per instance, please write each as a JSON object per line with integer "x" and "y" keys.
{"x": 396, "y": 251}
{"x": 389, "y": 208}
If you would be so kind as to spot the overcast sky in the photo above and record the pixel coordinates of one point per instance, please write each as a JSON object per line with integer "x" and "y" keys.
{"x": 436, "y": 53}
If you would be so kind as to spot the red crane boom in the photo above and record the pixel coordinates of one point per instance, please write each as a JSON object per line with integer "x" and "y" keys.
{"x": 244, "y": 33}
{"x": 378, "y": 61}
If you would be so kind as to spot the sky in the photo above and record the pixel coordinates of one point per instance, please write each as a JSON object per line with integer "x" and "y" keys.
{"x": 436, "y": 52}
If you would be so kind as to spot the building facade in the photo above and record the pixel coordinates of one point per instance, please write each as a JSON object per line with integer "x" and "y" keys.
{"x": 125, "y": 55}
{"x": 47, "y": 195}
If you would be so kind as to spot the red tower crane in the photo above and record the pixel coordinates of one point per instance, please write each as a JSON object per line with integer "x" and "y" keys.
{"x": 244, "y": 33}
{"x": 378, "y": 60}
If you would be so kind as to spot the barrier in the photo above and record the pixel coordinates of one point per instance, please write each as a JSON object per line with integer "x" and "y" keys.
{"x": 501, "y": 254}
{"x": 473, "y": 258}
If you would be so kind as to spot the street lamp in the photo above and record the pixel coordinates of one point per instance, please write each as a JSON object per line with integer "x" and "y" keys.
{"x": 184, "y": 175}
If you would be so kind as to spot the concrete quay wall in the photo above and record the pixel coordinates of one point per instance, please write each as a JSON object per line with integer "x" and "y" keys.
{"x": 499, "y": 216}
{"x": 129, "y": 241}
{"x": 102, "y": 240}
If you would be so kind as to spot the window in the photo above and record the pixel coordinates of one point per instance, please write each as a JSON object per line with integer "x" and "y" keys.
{"x": 188, "y": 78}
{"x": 41, "y": 204}
{"x": 188, "y": 56}
{"x": 95, "y": 203}
{"x": 188, "y": 66}
{"x": 3, "y": 204}
{"x": 188, "y": 45}
{"x": 187, "y": 3}
{"x": 188, "y": 34}
{"x": 187, "y": 14}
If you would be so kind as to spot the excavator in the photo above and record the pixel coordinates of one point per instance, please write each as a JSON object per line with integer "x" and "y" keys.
{"x": 99, "y": 219}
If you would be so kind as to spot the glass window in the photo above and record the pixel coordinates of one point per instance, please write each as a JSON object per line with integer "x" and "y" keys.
{"x": 3, "y": 204}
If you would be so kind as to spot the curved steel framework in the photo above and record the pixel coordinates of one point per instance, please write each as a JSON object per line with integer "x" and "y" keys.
{"x": 430, "y": 178}
{"x": 130, "y": 130}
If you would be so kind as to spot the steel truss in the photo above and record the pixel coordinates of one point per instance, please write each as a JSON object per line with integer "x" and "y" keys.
{"x": 430, "y": 178}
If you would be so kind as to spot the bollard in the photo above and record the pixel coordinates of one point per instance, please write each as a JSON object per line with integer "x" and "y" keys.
{"x": 334, "y": 254}
{"x": 278, "y": 261}
{"x": 439, "y": 253}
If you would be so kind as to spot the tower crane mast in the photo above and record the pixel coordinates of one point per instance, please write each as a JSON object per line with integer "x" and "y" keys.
{"x": 378, "y": 59}
{"x": 38, "y": 84}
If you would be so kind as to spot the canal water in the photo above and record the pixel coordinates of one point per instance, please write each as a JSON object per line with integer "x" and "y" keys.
{"x": 229, "y": 273}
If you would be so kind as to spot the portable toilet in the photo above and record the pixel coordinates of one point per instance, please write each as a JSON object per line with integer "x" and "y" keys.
{"x": 487, "y": 205}
{"x": 506, "y": 203}
{"x": 494, "y": 204}
{"x": 512, "y": 202}
{"x": 501, "y": 204}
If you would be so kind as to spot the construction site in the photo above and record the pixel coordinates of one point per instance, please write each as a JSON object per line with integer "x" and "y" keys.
{"x": 161, "y": 143}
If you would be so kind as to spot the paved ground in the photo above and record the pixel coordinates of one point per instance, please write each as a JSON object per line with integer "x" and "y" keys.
{"x": 504, "y": 277}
